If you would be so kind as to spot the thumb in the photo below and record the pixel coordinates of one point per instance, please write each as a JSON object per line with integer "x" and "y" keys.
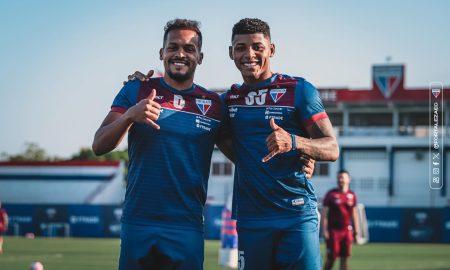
{"x": 273, "y": 125}
{"x": 152, "y": 95}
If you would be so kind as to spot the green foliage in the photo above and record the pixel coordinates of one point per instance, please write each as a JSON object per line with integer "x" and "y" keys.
{"x": 32, "y": 153}
{"x": 88, "y": 154}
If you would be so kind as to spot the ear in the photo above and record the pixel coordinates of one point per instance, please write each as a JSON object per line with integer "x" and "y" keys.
{"x": 161, "y": 54}
{"x": 200, "y": 59}
{"x": 272, "y": 49}
{"x": 230, "y": 52}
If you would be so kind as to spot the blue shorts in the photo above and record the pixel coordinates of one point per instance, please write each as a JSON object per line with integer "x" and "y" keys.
{"x": 291, "y": 243}
{"x": 153, "y": 247}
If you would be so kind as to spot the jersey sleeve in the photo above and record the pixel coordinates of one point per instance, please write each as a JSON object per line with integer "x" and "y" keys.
{"x": 308, "y": 103}
{"x": 127, "y": 97}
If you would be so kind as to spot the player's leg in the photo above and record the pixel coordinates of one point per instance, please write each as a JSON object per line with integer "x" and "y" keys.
{"x": 299, "y": 246}
{"x": 256, "y": 248}
{"x": 328, "y": 263}
{"x": 333, "y": 250}
{"x": 346, "y": 244}
{"x": 343, "y": 265}
{"x": 136, "y": 247}
{"x": 180, "y": 249}
{"x": 329, "y": 259}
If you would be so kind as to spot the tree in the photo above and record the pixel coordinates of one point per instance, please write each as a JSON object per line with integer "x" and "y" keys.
{"x": 88, "y": 154}
{"x": 32, "y": 153}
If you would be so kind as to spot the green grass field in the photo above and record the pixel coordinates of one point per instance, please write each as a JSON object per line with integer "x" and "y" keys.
{"x": 86, "y": 254}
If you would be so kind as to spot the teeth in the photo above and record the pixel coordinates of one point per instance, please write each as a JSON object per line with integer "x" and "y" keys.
{"x": 250, "y": 64}
{"x": 179, "y": 64}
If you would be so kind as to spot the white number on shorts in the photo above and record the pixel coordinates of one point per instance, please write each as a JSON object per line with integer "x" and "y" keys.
{"x": 241, "y": 260}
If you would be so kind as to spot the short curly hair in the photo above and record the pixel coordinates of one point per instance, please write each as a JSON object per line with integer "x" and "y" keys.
{"x": 183, "y": 24}
{"x": 251, "y": 26}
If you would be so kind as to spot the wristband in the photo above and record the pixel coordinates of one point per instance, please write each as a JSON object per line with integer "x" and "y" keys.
{"x": 294, "y": 143}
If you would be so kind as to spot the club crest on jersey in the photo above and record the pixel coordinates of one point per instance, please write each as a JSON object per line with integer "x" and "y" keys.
{"x": 276, "y": 94}
{"x": 203, "y": 105}
{"x": 178, "y": 101}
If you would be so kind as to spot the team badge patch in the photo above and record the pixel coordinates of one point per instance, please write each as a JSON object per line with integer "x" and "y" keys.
{"x": 276, "y": 94}
{"x": 203, "y": 105}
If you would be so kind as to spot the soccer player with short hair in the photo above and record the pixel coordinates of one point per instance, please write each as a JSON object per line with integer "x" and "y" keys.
{"x": 172, "y": 126}
{"x": 274, "y": 118}
{"x": 338, "y": 214}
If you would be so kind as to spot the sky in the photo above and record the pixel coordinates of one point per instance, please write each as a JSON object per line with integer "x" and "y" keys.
{"x": 63, "y": 62}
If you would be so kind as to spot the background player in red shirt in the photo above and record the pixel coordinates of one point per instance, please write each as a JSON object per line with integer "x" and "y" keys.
{"x": 339, "y": 213}
{"x": 3, "y": 225}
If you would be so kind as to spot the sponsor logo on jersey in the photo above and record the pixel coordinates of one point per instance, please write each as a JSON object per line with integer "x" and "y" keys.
{"x": 178, "y": 101}
{"x": 298, "y": 201}
{"x": 203, "y": 122}
{"x": 203, "y": 105}
{"x": 234, "y": 96}
{"x": 276, "y": 94}
{"x": 159, "y": 97}
{"x": 258, "y": 98}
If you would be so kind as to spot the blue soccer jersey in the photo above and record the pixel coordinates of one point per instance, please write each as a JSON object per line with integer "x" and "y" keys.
{"x": 277, "y": 188}
{"x": 169, "y": 168}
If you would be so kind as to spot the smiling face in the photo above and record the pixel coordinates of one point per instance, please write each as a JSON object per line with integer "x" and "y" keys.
{"x": 181, "y": 54}
{"x": 251, "y": 54}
